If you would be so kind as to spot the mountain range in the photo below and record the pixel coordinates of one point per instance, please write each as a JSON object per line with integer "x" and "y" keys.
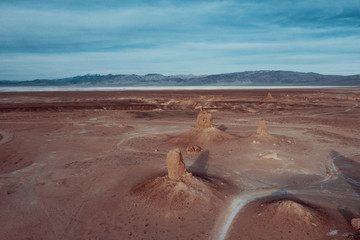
{"x": 248, "y": 78}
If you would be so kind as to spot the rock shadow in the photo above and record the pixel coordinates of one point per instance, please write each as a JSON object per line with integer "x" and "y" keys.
{"x": 144, "y": 115}
{"x": 222, "y": 127}
{"x": 200, "y": 166}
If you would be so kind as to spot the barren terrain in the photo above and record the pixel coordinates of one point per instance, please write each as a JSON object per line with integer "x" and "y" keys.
{"x": 91, "y": 165}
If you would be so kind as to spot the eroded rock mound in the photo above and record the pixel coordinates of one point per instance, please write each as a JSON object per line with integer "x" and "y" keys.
{"x": 192, "y": 149}
{"x": 262, "y": 129}
{"x": 179, "y": 188}
{"x": 290, "y": 218}
{"x": 295, "y": 219}
{"x": 175, "y": 164}
{"x": 186, "y": 191}
{"x": 262, "y": 132}
{"x": 287, "y": 219}
{"x": 296, "y": 213}
{"x": 269, "y": 96}
{"x": 204, "y": 119}
{"x": 204, "y": 133}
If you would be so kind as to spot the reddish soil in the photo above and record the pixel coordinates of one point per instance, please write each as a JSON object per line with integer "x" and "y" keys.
{"x": 92, "y": 165}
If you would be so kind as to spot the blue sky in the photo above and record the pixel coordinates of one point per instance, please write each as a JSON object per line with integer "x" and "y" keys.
{"x": 55, "y": 39}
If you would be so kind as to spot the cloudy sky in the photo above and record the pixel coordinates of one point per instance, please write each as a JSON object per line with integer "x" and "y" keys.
{"x": 62, "y": 38}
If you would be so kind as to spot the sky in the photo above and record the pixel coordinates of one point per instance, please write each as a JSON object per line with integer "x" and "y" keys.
{"x": 61, "y": 38}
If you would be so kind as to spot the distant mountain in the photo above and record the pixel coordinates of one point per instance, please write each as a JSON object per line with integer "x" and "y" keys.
{"x": 249, "y": 78}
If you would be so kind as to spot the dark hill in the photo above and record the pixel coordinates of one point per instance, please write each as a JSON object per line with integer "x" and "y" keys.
{"x": 249, "y": 78}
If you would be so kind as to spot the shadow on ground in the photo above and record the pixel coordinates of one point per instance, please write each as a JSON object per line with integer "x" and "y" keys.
{"x": 349, "y": 170}
{"x": 201, "y": 164}
{"x": 222, "y": 127}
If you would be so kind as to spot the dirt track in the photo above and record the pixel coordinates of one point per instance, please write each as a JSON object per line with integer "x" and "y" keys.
{"x": 69, "y": 162}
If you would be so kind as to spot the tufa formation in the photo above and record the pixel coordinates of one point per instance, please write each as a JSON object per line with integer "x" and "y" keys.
{"x": 262, "y": 129}
{"x": 179, "y": 188}
{"x": 269, "y": 96}
{"x": 175, "y": 164}
{"x": 204, "y": 119}
{"x": 262, "y": 133}
{"x": 203, "y": 134}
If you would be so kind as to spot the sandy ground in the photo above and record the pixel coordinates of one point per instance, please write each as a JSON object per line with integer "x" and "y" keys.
{"x": 91, "y": 165}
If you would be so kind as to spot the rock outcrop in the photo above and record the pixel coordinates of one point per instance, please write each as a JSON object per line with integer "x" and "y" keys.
{"x": 262, "y": 129}
{"x": 262, "y": 133}
{"x": 204, "y": 119}
{"x": 175, "y": 164}
{"x": 269, "y": 96}
{"x": 179, "y": 188}
{"x": 355, "y": 222}
{"x": 203, "y": 134}
{"x": 192, "y": 149}
{"x": 270, "y": 155}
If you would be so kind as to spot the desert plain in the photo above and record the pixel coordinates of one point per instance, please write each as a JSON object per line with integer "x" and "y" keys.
{"x": 264, "y": 164}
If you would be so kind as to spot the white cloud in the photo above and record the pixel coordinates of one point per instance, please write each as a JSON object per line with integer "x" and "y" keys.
{"x": 190, "y": 37}
{"x": 186, "y": 58}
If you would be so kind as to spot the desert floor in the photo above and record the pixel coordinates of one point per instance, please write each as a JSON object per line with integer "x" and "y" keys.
{"x": 91, "y": 165}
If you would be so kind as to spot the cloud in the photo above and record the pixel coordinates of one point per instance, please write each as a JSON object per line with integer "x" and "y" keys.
{"x": 56, "y": 30}
{"x": 197, "y": 58}
{"x": 56, "y": 38}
